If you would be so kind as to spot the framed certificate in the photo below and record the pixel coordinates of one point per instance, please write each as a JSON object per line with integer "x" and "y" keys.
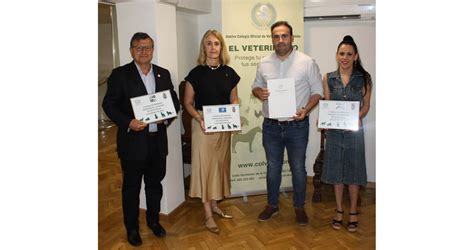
{"x": 221, "y": 118}
{"x": 153, "y": 107}
{"x": 282, "y": 98}
{"x": 339, "y": 115}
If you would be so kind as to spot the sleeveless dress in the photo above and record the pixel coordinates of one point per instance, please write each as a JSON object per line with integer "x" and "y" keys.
{"x": 210, "y": 153}
{"x": 344, "y": 158}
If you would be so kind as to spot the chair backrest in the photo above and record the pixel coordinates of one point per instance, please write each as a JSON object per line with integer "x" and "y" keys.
{"x": 185, "y": 116}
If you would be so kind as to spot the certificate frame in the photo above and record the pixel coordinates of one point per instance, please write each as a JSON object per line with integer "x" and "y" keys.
{"x": 221, "y": 118}
{"x": 153, "y": 107}
{"x": 342, "y": 115}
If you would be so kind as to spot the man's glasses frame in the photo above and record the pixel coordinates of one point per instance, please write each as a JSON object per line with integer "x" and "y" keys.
{"x": 143, "y": 48}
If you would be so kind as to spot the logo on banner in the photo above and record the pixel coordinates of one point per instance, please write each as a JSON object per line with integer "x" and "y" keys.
{"x": 263, "y": 15}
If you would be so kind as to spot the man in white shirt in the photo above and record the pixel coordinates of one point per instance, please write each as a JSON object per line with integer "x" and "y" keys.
{"x": 290, "y": 132}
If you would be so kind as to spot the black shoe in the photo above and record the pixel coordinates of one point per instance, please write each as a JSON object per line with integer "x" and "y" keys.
{"x": 133, "y": 237}
{"x": 301, "y": 217}
{"x": 158, "y": 230}
{"x": 352, "y": 226}
{"x": 267, "y": 213}
{"x": 337, "y": 224}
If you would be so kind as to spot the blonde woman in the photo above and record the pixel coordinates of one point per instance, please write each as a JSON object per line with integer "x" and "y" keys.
{"x": 211, "y": 82}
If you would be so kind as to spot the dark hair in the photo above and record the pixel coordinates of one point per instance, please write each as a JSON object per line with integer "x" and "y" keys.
{"x": 283, "y": 23}
{"x": 140, "y": 36}
{"x": 348, "y": 40}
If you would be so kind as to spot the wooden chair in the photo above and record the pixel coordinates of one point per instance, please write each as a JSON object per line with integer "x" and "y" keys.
{"x": 318, "y": 169}
{"x": 186, "y": 120}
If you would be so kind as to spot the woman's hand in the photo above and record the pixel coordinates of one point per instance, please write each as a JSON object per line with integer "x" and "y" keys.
{"x": 201, "y": 122}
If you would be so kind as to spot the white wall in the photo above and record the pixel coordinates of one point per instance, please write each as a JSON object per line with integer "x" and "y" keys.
{"x": 321, "y": 40}
{"x": 188, "y": 42}
{"x": 173, "y": 191}
{"x": 199, "y": 7}
{"x": 211, "y": 21}
{"x": 128, "y": 24}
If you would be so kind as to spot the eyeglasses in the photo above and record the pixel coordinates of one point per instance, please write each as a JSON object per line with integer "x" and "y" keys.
{"x": 145, "y": 48}
{"x": 278, "y": 37}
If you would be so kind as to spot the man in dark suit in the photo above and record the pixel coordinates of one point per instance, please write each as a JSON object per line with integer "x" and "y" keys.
{"x": 142, "y": 148}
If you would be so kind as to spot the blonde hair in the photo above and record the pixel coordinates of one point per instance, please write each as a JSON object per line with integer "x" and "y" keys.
{"x": 224, "y": 57}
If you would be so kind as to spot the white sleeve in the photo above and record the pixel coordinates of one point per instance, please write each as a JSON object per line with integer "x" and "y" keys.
{"x": 315, "y": 80}
{"x": 259, "y": 81}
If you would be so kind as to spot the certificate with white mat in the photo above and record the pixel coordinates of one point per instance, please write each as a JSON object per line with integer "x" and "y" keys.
{"x": 221, "y": 118}
{"x": 282, "y": 98}
{"x": 338, "y": 115}
{"x": 153, "y": 107}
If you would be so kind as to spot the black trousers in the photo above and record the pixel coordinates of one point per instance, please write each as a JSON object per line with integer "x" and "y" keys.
{"x": 152, "y": 170}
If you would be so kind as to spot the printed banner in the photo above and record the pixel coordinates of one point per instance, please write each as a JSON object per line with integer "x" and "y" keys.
{"x": 246, "y": 29}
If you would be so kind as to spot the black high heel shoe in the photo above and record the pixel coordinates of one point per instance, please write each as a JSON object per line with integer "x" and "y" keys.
{"x": 352, "y": 226}
{"x": 337, "y": 224}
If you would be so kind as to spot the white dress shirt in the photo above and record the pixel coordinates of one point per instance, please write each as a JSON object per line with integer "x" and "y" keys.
{"x": 149, "y": 81}
{"x": 297, "y": 65}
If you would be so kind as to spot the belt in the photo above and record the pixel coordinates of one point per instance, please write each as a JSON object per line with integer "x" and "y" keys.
{"x": 153, "y": 133}
{"x": 285, "y": 123}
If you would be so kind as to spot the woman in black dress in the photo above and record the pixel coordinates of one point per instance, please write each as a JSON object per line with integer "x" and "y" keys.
{"x": 211, "y": 82}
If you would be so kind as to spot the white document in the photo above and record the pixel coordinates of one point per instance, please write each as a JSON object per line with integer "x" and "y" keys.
{"x": 221, "y": 118}
{"x": 153, "y": 107}
{"x": 338, "y": 115}
{"x": 282, "y": 98}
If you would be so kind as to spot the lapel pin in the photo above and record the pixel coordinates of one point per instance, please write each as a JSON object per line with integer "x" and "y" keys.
{"x": 158, "y": 75}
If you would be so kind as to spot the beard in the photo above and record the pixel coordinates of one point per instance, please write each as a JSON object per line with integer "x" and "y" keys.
{"x": 282, "y": 49}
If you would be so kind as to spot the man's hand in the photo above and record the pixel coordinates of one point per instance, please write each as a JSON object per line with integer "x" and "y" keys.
{"x": 137, "y": 125}
{"x": 300, "y": 114}
{"x": 261, "y": 93}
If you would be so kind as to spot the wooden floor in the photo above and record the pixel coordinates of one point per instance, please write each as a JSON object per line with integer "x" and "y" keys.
{"x": 185, "y": 226}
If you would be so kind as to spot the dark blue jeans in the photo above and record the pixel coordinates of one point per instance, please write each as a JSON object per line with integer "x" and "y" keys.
{"x": 294, "y": 137}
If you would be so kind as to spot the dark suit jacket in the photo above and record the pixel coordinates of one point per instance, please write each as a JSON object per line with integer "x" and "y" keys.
{"x": 124, "y": 83}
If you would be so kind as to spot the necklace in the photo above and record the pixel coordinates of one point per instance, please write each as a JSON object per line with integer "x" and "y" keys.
{"x": 213, "y": 67}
